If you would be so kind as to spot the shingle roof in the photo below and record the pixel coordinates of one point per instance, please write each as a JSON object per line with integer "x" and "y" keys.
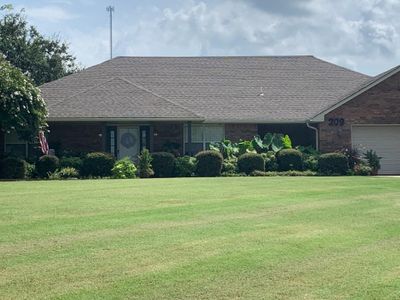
{"x": 214, "y": 89}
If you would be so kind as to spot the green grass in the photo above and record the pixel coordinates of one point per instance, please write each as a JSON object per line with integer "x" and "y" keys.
{"x": 201, "y": 238}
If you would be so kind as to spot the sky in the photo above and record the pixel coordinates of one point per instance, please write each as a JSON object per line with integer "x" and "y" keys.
{"x": 362, "y": 35}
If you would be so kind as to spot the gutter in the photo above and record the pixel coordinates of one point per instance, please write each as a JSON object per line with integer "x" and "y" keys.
{"x": 316, "y": 135}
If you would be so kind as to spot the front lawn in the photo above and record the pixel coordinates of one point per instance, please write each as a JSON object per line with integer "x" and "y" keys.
{"x": 201, "y": 238}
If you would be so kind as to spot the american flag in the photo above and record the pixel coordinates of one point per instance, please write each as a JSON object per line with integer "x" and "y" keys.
{"x": 44, "y": 146}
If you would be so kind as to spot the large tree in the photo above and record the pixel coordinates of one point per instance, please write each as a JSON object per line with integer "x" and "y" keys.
{"x": 44, "y": 59}
{"x": 22, "y": 109}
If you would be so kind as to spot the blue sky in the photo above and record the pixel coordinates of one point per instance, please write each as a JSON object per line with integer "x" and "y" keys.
{"x": 363, "y": 35}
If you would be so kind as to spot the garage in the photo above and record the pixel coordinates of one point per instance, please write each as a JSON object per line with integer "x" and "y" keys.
{"x": 384, "y": 139}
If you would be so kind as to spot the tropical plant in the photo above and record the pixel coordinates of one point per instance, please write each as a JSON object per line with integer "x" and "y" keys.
{"x": 287, "y": 142}
{"x": 145, "y": 168}
{"x": 228, "y": 149}
{"x": 374, "y": 161}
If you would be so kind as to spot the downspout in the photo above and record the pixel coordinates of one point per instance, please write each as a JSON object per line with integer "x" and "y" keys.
{"x": 316, "y": 135}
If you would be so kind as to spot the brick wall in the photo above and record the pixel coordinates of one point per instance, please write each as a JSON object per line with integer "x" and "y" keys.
{"x": 77, "y": 137}
{"x": 167, "y": 133}
{"x": 235, "y": 132}
{"x": 379, "y": 105}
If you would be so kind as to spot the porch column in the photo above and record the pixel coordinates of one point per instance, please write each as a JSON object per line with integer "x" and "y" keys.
{"x": 189, "y": 135}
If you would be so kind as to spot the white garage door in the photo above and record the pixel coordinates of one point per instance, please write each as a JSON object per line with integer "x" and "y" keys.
{"x": 385, "y": 140}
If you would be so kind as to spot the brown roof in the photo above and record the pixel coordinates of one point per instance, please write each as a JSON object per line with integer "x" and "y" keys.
{"x": 214, "y": 89}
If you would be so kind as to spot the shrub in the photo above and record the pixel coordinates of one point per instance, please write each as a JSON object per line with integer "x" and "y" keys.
{"x": 13, "y": 168}
{"x": 333, "y": 164}
{"x": 362, "y": 169}
{"x": 287, "y": 173}
{"x": 374, "y": 161}
{"x": 71, "y": 162}
{"x": 46, "y": 165}
{"x": 163, "y": 164}
{"x": 250, "y": 162}
{"x": 290, "y": 159}
{"x": 64, "y": 173}
{"x": 209, "y": 163}
{"x": 30, "y": 170}
{"x": 145, "y": 168}
{"x": 229, "y": 166}
{"x": 185, "y": 166}
{"x": 124, "y": 169}
{"x": 271, "y": 164}
{"x": 310, "y": 162}
{"x": 97, "y": 164}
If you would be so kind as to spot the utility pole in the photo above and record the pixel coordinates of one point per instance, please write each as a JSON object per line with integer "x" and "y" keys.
{"x": 110, "y": 9}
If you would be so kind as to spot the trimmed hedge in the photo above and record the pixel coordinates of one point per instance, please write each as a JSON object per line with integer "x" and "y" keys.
{"x": 163, "y": 164}
{"x": 46, "y": 165}
{"x": 290, "y": 159}
{"x": 250, "y": 162}
{"x": 209, "y": 163}
{"x": 71, "y": 162}
{"x": 13, "y": 168}
{"x": 333, "y": 164}
{"x": 185, "y": 166}
{"x": 97, "y": 164}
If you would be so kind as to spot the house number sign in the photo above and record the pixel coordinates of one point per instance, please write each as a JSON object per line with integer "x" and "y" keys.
{"x": 336, "y": 122}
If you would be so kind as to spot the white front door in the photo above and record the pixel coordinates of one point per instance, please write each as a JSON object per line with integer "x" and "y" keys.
{"x": 128, "y": 142}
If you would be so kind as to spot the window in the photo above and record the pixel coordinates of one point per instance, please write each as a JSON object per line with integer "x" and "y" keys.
{"x": 14, "y": 145}
{"x": 203, "y": 135}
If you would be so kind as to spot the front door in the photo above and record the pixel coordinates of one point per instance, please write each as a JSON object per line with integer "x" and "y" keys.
{"x": 128, "y": 142}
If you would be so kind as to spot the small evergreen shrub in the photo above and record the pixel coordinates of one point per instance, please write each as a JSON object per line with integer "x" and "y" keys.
{"x": 362, "y": 169}
{"x": 145, "y": 167}
{"x": 333, "y": 164}
{"x": 185, "y": 166}
{"x": 13, "y": 168}
{"x": 209, "y": 163}
{"x": 229, "y": 167}
{"x": 310, "y": 162}
{"x": 124, "y": 169}
{"x": 290, "y": 159}
{"x": 71, "y": 162}
{"x": 97, "y": 164}
{"x": 163, "y": 164}
{"x": 250, "y": 162}
{"x": 46, "y": 165}
{"x": 64, "y": 173}
{"x": 271, "y": 163}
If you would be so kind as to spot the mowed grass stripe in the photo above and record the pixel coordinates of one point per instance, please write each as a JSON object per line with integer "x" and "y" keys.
{"x": 202, "y": 238}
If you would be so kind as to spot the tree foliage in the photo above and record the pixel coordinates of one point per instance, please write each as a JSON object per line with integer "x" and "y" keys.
{"x": 44, "y": 59}
{"x": 21, "y": 107}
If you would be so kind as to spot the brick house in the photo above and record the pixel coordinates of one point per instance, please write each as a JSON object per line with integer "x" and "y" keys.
{"x": 184, "y": 103}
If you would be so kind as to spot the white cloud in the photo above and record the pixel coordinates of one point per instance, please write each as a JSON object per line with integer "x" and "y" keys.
{"x": 50, "y": 13}
{"x": 362, "y": 35}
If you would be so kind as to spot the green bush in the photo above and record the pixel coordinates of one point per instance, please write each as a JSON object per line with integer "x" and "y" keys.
{"x": 250, "y": 162}
{"x": 286, "y": 173}
{"x": 64, "y": 173}
{"x": 145, "y": 167}
{"x": 290, "y": 159}
{"x": 271, "y": 163}
{"x": 333, "y": 164}
{"x": 362, "y": 170}
{"x": 229, "y": 166}
{"x": 374, "y": 161}
{"x": 97, "y": 164}
{"x": 13, "y": 168}
{"x": 71, "y": 162}
{"x": 46, "y": 165}
{"x": 185, "y": 166}
{"x": 124, "y": 169}
{"x": 310, "y": 162}
{"x": 163, "y": 164}
{"x": 209, "y": 163}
